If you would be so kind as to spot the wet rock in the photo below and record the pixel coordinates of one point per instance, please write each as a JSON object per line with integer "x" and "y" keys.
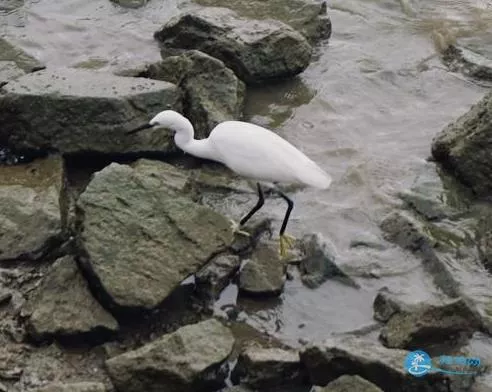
{"x": 24, "y": 61}
{"x": 468, "y": 62}
{"x": 484, "y": 240}
{"x": 80, "y": 111}
{"x": 427, "y": 324}
{"x": 268, "y": 367}
{"x": 141, "y": 237}
{"x": 213, "y": 93}
{"x": 188, "y": 359}
{"x": 318, "y": 262}
{"x": 381, "y": 366}
{"x": 131, "y": 3}
{"x": 30, "y": 217}
{"x": 74, "y": 387}
{"x": 349, "y": 384}
{"x": 263, "y": 274}
{"x": 257, "y": 51}
{"x": 9, "y": 70}
{"x": 64, "y": 307}
{"x": 386, "y": 305}
{"x": 310, "y": 19}
{"x": 453, "y": 266}
{"x": 464, "y": 147}
{"x": 216, "y": 275}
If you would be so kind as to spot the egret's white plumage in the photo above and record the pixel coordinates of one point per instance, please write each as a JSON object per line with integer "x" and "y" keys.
{"x": 250, "y": 151}
{"x": 247, "y": 149}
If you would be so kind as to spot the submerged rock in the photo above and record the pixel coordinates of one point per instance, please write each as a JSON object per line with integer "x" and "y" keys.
{"x": 80, "y": 111}
{"x": 318, "y": 262}
{"x": 460, "y": 59}
{"x": 74, "y": 387}
{"x": 64, "y": 307}
{"x": 257, "y": 51}
{"x": 264, "y": 368}
{"x": 216, "y": 274}
{"x": 141, "y": 237}
{"x": 349, "y": 384}
{"x": 381, "y": 366}
{"x": 263, "y": 274}
{"x": 31, "y": 221}
{"x": 386, "y": 305}
{"x": 212, "y": 92}
{"x": 422, "y": 325}
{"x": 464, "y": 147}
{"x": 309, "y": 18}
{"x": 188, "y": 359}
{"x": 10, "y": 52}
{"x": 131, "y": 3}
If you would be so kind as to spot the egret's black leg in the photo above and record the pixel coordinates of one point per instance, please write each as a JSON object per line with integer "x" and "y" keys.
{"x": 259, "y": 204}
{"x": 290, "y": 206}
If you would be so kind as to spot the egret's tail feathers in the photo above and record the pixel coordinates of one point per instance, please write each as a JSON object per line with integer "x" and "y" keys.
{"x": 317, "y": 178}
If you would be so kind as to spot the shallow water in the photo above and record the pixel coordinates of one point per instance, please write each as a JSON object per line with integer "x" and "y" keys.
{"x": 365, "y": 110}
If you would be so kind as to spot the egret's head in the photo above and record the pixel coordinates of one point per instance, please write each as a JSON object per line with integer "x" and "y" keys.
{"x": 165, "y": 119}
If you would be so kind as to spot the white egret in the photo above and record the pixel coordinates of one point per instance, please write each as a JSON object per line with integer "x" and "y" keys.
{"x": 251, "y": 151}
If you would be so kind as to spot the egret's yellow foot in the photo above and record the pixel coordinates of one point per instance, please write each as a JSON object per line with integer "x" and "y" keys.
{"x": 236, "y": 230}
{"x": 286, "y": 242}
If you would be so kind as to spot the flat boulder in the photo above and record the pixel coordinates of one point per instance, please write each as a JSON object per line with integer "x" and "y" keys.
{"x": 464, "y": 147}
{"x": 257, "y": 51}
{"x": 63, "y": 306}
{"x": 79, "y": 111}
{"x": 212, "y": 92}
{"x": 188, "y": 359}
{"x": 383, "y": 367}
{"x": 421, "y": 325}
{"x": 141, "y": 236}
{"x": 263, "y": 368}
{"x": 30, "y": 216}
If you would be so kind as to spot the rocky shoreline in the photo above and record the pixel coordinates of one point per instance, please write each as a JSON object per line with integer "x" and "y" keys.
{"x": 109, "y": 283}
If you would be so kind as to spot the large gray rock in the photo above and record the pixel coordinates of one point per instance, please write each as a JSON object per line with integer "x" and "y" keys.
{"x": 10, "y": 52}
{"x": 75, "y": 111}
{"x": 9, "y": 70}
{"x": 185, "y": 360}
{"x": 268, "y": 367}
{"x": 381, "y": 366}
{"x": 484, "y": 240}
{"x": 74, "y": 387}
{"x": 257, "y": 51}
{"x": 141, "y": 237}
{"x": 264, "y": 273}
{"x": 30, "y": 215}
{"x": 212, "y": 92}
{"x": 63, "y": 306}
{"x": 309, "y": 18}
{"x": 426, "y": 324}
{"x": 349, "y": 384}
{"x": 464, "y": 147}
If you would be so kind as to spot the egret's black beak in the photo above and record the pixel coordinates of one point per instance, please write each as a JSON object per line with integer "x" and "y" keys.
{"x": 140, "y": 128}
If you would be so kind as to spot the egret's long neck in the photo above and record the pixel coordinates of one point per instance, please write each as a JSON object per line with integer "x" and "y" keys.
{"x": 184, "y": 139}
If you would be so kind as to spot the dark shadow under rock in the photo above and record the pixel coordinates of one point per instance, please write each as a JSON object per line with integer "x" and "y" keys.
{"x": 216, "y": 275}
